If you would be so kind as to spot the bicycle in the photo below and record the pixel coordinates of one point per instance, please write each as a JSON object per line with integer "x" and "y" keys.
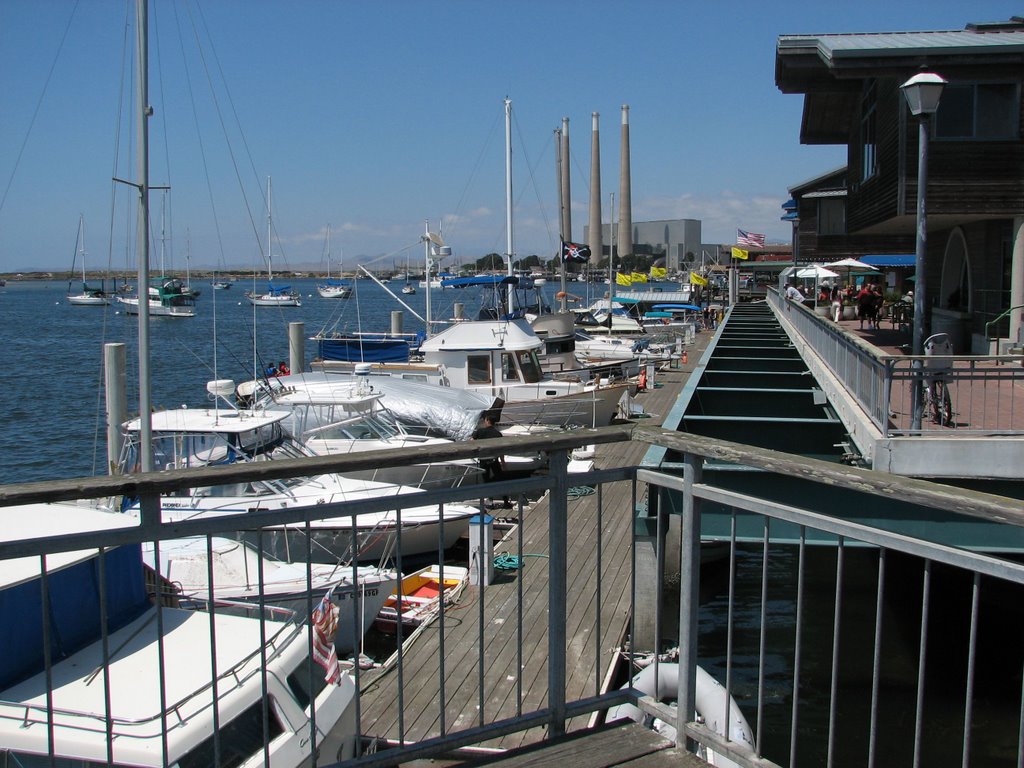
{"x": 937, "y": 401}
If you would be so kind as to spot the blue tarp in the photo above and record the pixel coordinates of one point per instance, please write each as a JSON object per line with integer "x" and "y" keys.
{"x": 689, "y": 307}
{"x": 356, "y": 350}
{"x": 479, "y": 280}
{"x": 621, "y": 300}
{"x": 73, "y": 609}
{"x": 889, "y": 260}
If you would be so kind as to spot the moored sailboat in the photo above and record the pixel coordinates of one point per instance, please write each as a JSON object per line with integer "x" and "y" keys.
{"x": 333, "y": 288}
{"x": 274, "y": 295}
{"x": 90, "y": 296}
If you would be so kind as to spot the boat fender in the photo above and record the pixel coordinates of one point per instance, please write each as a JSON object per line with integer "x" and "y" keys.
{"x": 662, "y": 682}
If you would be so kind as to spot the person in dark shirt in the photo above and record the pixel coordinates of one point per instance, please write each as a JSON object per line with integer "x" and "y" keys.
{"x": 493, "y": 467}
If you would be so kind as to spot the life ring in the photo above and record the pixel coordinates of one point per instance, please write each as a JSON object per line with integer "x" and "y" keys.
{"x": 662, "y": 682}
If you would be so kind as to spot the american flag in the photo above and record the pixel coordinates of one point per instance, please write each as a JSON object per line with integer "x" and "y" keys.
{"x": 325, "y": 627}
{"x": 749, "y": 239}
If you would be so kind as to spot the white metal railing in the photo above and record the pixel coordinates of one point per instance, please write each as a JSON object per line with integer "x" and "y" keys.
{"x": 773, "y": 685}
{"x": 985, "y": 390}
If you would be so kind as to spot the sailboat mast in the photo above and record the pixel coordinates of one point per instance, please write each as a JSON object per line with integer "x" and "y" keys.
{"x": 270, "y": 230}
{"x": 509, "y": 243}
{"x": 142, "y": 232}
{"x": 426, "y": 272}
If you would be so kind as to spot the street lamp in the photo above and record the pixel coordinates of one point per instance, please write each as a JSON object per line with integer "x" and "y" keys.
{"x": 922, "y": 92}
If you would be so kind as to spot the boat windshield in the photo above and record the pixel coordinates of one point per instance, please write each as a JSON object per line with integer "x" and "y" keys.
{"x": 188, "y": 450}
{"x": 529, "y": 365}
{"x": 362, "y": 428}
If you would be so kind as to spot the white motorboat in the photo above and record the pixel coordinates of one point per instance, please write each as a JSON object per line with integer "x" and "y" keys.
{"x": 499, "y": 358}
{"x": 241, "y": 582}
{"x": 149, "y": 681}
{"x": 603, "y": 317}
{"x": 274, "y": 295}
{"x": 89, "y": 296}
{"x": 166, "y": 299}
{"x": 333, "y": 415}
{"x": 195, "y": 437}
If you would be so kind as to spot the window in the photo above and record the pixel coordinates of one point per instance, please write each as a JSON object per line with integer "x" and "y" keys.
{"x": 530, "y": 366}
{"x": 868, "y": 137}
{"x": 832, "y": 216}
{"x": 978, "y": 111}
{"x": 508, "y": 367}
{"x": 478, "y": 369}
{"x": 240, "y": 739}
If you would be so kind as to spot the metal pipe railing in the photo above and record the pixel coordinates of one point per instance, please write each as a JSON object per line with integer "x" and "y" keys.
{"x": 695, "y": 491}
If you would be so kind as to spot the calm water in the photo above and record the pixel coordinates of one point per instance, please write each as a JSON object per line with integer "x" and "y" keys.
{"x": 55, "y": 358}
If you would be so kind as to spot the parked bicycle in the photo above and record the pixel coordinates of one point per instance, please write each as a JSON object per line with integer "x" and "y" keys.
{"x": 938, "y": 350}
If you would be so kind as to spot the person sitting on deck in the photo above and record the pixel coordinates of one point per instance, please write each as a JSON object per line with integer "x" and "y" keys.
{"x": 283, "y": 369}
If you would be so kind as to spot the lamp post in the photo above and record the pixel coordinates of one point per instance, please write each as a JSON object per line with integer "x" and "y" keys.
{"x": 922, "y": 92}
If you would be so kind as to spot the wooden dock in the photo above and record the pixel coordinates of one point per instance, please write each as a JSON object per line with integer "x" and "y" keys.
{"x": 485, "y": 678}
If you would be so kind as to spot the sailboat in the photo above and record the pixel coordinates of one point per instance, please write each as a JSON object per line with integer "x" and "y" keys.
{"x": 408, "y": 289}
{"x": 89, "y": 297}
{"x": 168, "y": 296}
{"x": 331, "y": 288}
{"x": 187, "y": 288}
{"x": 168, "y": 686}
{"x": 274, "y": 296}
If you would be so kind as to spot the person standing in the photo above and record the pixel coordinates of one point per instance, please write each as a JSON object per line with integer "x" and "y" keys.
{"x": 493, "y": 467}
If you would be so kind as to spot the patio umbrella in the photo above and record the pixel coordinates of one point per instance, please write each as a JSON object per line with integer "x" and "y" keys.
{"x": 851, "y": 264}
{"x": 818, "y": 273}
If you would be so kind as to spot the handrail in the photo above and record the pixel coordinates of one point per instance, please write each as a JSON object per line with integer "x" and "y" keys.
{"x": 996, "y": 320}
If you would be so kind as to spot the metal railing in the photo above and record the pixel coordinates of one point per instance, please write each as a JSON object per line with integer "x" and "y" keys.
{"x": 734, "y": 633}
{"x": 983, "y": 388}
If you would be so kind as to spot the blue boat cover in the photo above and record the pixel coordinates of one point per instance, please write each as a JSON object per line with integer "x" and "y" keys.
{"x": 690, "y": 307}
{"x": 479, "y": 280}
{"x": 73, "y": 608}
{"x": 357, "y": 350}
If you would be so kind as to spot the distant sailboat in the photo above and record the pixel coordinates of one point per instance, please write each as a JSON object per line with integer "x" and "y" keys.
{"x": 333, "y": 288}
{"x": 89, "y": 297}
{"x": 408, "y": 288}
{"x": 187, "y": 288}
{"x": 167, "y": 296}
{"x": 274, "y": 296}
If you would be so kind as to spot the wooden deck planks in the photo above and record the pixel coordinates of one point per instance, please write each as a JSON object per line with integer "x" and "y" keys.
{"x": 588, "y": 654}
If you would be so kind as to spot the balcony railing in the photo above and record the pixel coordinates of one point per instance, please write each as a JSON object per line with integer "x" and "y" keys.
{"x": 784, "y": 701}
{"x": 985, "y": 390}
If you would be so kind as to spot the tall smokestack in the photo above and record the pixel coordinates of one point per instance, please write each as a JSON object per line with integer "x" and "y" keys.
{"x": 625, "y": 214}
{"x": 566, "y": 220}
{"x": 594, "y": 233}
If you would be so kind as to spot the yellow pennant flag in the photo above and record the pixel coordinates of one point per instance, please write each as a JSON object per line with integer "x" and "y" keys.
{"x": 696, "y": 279}
{"x": 623, "y": 279}
{"x": 638, "y": 277}
{"x": 658, "y": 272}
{"x": 739, "y": 253}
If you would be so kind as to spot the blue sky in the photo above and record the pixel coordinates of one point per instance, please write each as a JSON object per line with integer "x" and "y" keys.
{"x": 373, "y": 117}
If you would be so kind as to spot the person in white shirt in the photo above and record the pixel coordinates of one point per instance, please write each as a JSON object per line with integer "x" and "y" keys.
{"x": 793, "y": 293}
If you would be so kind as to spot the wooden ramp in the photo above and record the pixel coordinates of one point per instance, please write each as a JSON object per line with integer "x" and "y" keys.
{"x": 502, "y": 672}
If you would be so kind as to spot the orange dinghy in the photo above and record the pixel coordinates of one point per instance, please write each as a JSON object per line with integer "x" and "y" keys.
{"x": 422, "y": 594}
